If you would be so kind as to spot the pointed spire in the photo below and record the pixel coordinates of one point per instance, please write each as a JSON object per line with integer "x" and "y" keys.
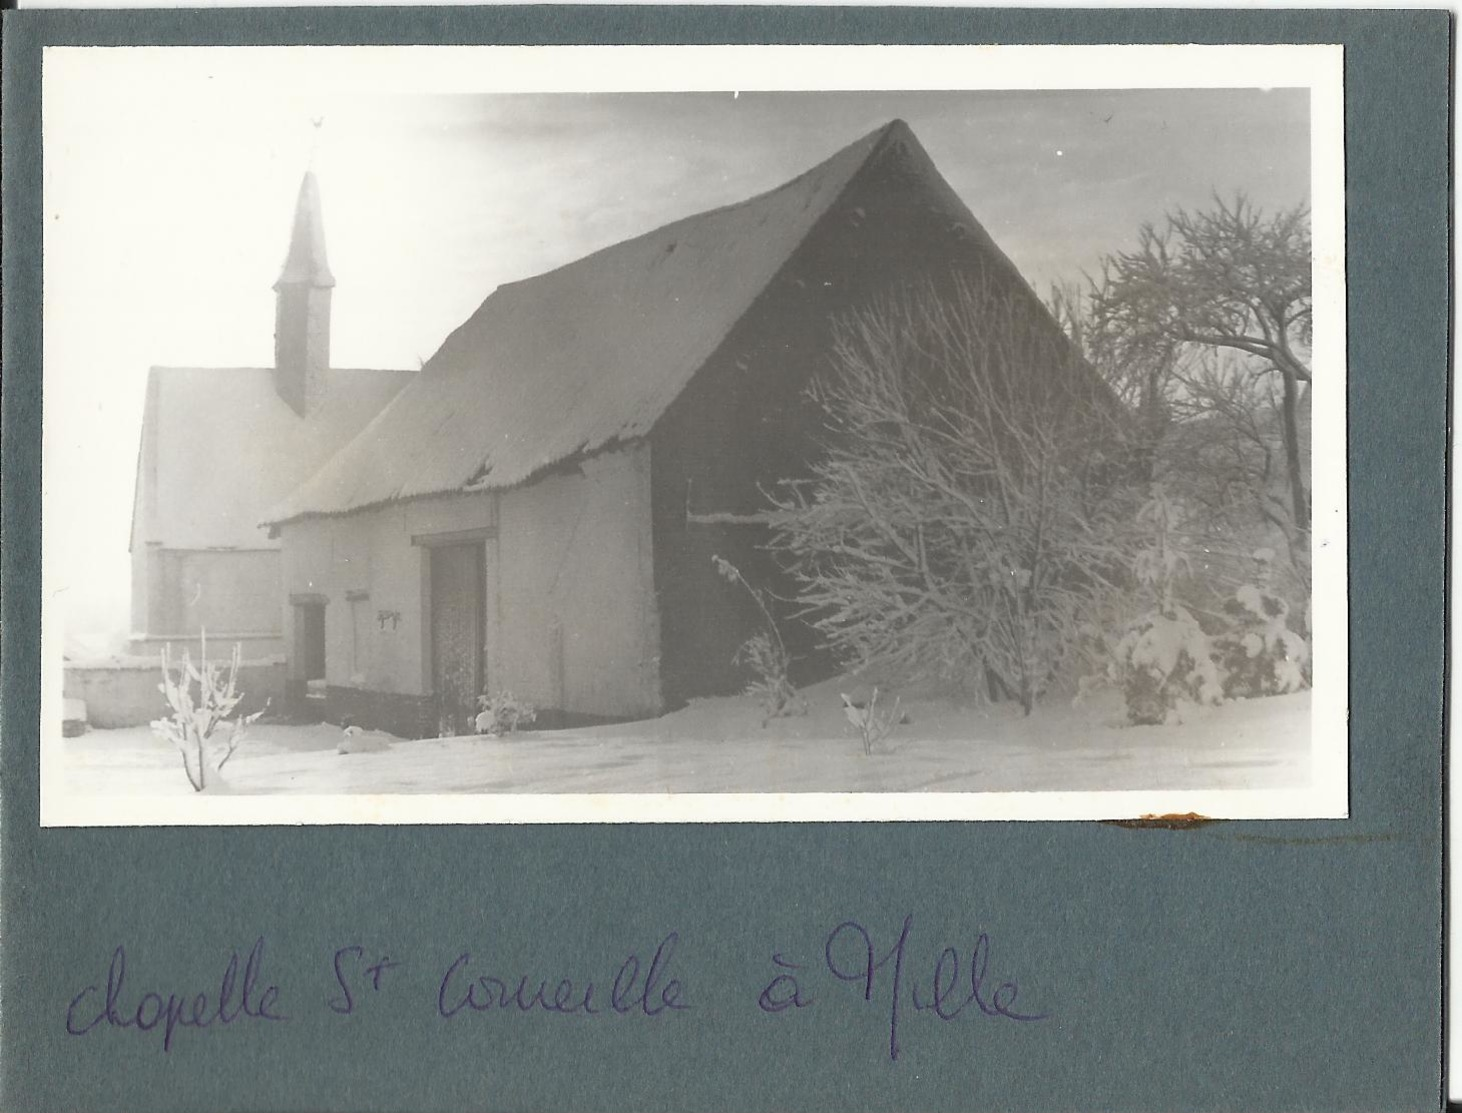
{"x": 302, "y": 307}
{"x": 305, "y": 264}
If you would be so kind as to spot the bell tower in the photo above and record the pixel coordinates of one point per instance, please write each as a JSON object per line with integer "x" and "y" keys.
{"x": 302, "y": 307}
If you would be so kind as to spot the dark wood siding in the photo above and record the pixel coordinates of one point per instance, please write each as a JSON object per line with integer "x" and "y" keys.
{"x": 746, "y": 422}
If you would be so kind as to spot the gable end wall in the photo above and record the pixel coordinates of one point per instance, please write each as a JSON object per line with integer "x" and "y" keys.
{"x": 745, "y": 422}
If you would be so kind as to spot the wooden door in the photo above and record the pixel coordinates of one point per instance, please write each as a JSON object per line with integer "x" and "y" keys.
{"x": 457, "y": 574}
{"x": 309, "y": 633}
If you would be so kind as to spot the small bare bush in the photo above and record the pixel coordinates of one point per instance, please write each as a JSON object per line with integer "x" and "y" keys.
{"x": 873, "y": 725}
{"x": 201, "y": 699}
{"x": 765, "y": 654}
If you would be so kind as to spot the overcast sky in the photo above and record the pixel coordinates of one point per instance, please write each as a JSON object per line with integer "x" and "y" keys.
{"x": 168, "y": 207}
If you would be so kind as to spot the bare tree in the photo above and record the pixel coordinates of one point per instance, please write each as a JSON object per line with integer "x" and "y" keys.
{"x": 1138, "y": 367}
{"x": 1229, "y": 278}
{"x": 1226, "y": 459}
{"x": 969, "y": 508}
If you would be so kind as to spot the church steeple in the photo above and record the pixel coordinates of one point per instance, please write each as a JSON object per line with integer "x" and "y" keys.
{"x": 302, "y": 306}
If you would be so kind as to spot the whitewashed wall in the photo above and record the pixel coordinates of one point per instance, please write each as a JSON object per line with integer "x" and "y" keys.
{"x": 571, "y": 621}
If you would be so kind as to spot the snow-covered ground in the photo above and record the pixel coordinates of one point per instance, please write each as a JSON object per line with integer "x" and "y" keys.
{"x": 720, "y": 745}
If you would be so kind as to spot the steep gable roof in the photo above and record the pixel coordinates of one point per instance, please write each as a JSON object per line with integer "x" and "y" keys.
{"x": 224, "y": 447}
{"x": 591, "y": 354}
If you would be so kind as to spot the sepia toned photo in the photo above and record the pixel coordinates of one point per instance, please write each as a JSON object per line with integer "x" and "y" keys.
{"x": 649, "y": 434}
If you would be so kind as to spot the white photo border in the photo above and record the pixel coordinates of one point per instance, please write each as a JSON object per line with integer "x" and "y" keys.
{"x": 303, "y": 72}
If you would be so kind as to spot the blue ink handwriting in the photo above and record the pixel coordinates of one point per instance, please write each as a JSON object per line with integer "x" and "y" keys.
{"x": 235, "y": 1001}
{"x": 658, "y": 993}
{"x": 850, "y": 956}
{"x": 957, "y": 983}
{"x": 345, "y": 1003}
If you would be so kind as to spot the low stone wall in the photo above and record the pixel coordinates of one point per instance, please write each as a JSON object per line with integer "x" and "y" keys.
{"x": 122, "y": 691}
{"x": 254, "y": 647}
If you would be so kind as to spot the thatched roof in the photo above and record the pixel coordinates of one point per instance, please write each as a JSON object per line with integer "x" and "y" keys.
{"x": 228, "y": 447}
{"x": 591, "y": 354}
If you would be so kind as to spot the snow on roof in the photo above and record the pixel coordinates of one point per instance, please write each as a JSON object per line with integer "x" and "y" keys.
{"x": 574, "y": 360}
{"x": 227, "y": 447}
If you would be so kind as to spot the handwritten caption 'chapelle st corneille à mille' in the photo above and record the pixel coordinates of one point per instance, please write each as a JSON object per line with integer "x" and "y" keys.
{"x": 853, "y": 969}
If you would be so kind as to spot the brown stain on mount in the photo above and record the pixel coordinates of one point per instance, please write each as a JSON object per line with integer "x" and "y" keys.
{"x": 1174, "y": 821}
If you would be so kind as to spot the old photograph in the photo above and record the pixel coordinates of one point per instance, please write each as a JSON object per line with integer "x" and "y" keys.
{"x": 693, "y": 434}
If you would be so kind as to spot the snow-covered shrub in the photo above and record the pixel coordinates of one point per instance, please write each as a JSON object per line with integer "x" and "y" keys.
{"x": 970, "y": 510}
{"x": 199, "y": 725}
{"x": 503, "y": 713}
{"x": 765, "y": 654}
{"x": 1261, "y": 655}
{"x": 1163, "y": 662}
